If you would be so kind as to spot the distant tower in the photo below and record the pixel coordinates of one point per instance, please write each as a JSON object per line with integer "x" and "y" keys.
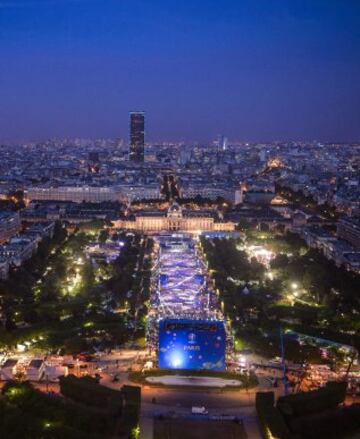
{"x": 137, "y": 136}
{"x": 262, "y": 155}
{"x": 222, "y": 143}
{"x": 239, "y": 195}
{"x": 185, "y": 156}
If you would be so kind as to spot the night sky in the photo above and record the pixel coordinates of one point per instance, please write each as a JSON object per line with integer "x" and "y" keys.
{"x": 250, "y": 69}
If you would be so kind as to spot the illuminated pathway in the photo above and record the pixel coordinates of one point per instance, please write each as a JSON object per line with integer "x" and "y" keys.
{"x": 186, "y": 325}
{"x": 182, "y": 288}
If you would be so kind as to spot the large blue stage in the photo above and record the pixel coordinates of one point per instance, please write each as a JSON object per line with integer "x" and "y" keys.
{"x": 192, "y": 344}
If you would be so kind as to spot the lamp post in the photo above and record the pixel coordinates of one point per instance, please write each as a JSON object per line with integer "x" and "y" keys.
{"x": 282, "y": 350}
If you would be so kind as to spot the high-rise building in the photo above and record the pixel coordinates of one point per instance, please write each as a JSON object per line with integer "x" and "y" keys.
{"x": 137, "y": 136}
{"x": 222, "y": 143}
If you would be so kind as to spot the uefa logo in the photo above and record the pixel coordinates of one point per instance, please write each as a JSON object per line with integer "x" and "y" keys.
{"x": 192, "y": 337}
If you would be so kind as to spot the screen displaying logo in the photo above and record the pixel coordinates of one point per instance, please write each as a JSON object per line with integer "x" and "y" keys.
{"x": 192, "y": 337}
{"x": 192, "y": 344}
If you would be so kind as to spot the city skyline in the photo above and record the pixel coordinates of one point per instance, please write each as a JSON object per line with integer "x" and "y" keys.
{"x": 254, "y": 72}
{"x": 137, "y": 135}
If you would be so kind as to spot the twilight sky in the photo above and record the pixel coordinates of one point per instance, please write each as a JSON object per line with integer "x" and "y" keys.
{"x": 251, "y": 69}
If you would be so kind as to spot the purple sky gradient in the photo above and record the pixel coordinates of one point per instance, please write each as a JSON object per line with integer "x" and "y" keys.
{"x": 253, "y": 70}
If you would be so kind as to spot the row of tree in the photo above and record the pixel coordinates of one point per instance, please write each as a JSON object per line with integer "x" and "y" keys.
{"x": 28, "y": 413}
{"x": 257, "y": 305}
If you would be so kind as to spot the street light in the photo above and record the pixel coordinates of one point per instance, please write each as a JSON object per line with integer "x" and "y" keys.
{"x": 270, "y": 275}
{"x": 294, "y": 285}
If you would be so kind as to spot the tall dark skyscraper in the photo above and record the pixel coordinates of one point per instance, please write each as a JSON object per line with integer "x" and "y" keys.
{"x": 137, "y": 136}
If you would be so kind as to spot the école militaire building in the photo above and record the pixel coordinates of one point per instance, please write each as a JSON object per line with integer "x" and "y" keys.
{"x": 174, "y": 219}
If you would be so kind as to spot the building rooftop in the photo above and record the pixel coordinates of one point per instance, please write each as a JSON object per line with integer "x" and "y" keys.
{"x": 36, "y": 363}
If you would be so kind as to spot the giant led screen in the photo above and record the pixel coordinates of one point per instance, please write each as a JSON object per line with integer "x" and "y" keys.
{"x": 192, "y": 344}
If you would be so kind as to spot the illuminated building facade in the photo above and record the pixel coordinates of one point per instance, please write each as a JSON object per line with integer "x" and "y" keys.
{"x": 75, "y": 194}
{"x": 174, "y": 220}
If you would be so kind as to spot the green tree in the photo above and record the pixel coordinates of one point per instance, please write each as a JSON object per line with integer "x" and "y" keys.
{"x": 103, "y": 236}
{"x": 243, "y": 224}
